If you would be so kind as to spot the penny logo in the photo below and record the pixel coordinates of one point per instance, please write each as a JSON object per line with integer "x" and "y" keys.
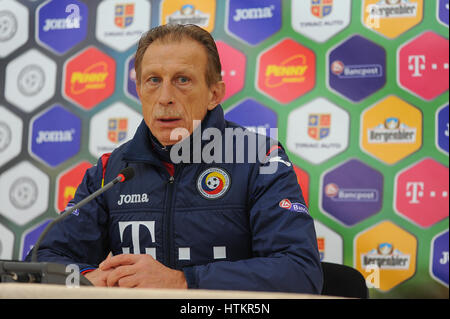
{"x": 89, "y": 78}
{"x": 92, "y": 78}
{"x": 286, "y": 71}
{"x": 291, "y": 70}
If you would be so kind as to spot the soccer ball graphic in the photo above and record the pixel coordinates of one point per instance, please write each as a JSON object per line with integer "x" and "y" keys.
{"x": 213, "y": 182}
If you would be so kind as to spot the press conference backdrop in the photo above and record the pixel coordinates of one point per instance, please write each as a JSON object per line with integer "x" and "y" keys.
{"x": 357, "y": 89}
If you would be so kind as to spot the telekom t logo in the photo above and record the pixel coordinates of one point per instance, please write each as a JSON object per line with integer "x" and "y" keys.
{"x": 233, "y": 68}
{"x": 135, "y": 226}
{"x": 422, "y": 192}
{"x": 416, "y": 64}
{"x": 423, "y": 65}
{"x": 414, "y": 190}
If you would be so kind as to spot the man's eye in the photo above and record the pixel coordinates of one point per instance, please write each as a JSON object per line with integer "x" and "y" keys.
{"x": 153, "y": 80}
{"x": 183, "y": 80}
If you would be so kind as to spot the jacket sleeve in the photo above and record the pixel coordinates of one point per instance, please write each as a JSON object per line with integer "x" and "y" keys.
{"x": 80, "y": 238}
{"x": 285, "y": 255}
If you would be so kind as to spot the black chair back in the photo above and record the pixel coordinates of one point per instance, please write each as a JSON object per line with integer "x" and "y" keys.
{"x": 343, "y": 281}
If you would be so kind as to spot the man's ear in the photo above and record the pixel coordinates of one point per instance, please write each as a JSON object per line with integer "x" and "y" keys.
{"x": 217, "y": 92}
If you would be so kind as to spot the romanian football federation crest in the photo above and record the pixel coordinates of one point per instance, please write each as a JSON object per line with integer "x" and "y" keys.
{"x": 321, "y": 8}
{"x": 213, "y": 183}
{"x": 117, "y": 129}
{"x": 124, "y": 15}
{"x": 319, "y": 125}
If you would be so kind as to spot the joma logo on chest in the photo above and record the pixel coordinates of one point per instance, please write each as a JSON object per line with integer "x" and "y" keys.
{"x": 133, "y": 199}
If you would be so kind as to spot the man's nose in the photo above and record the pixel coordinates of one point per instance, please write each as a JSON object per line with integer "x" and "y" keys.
{"x": 166, "y": 94}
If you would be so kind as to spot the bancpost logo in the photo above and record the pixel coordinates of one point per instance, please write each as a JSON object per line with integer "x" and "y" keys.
{"x": 357, "y": 68}
{"x": 392, "y": 17}
{"x": 198, "y": 12}
{"x": 120, "y": 23}
{"x": 286, "y": 71}
{"x": 67, "y": 184}
{"x": 422, "y": 192}
{"x": 391, "y": 130}
{"x": 347, "y": 197}
{"x": 389, "y": 249}
{"x": 62, "y": 24}
{"x": 318, "y": 131}
{"x": 320, "y": 19}
{"x": 89, "y": 78}
{"x": 253, "y": 21}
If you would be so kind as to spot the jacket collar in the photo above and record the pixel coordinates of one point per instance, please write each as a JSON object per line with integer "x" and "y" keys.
{"x": 144, "y": 147}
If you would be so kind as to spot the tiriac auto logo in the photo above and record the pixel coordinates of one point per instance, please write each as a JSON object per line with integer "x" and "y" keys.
{"x": 286, "y": 71}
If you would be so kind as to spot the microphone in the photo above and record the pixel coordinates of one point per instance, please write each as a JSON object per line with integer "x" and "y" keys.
{"x": 125, "y": 175}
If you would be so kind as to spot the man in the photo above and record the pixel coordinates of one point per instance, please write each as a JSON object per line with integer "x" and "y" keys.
{"x": 195, "y": 223}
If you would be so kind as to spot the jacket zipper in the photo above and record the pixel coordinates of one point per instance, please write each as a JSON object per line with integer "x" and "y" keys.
{"x": 168, "y": 223}
{"x": 168, "y": 245}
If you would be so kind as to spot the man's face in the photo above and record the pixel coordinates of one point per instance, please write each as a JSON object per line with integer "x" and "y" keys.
{"x": 173, "y": 89}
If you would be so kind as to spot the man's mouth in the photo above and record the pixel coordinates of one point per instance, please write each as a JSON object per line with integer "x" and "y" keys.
{"x": 169, "y": 121}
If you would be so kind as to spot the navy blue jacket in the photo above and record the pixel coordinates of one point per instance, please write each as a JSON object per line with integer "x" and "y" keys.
{"x": 227, "y": 226}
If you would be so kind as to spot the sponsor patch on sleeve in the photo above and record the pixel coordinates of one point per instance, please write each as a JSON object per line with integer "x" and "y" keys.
{"x": 76, "y": 212}
{"x": 294, "y": 207}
